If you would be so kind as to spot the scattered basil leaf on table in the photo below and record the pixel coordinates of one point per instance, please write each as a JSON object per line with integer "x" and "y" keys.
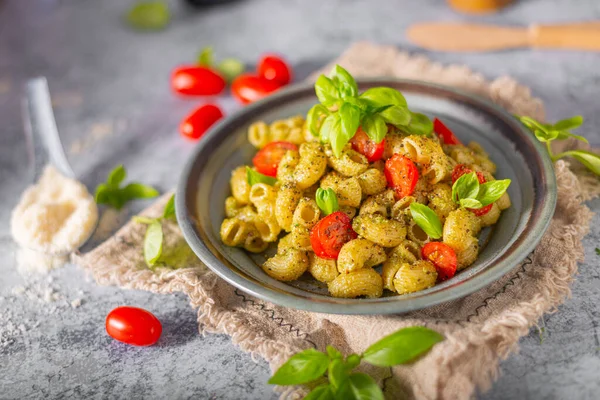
{"x": 153, "y": 242}
{"x": 111, "y": 194}
{"x": 230, "y": 68}
{"x": 169, "y": 211}
{"x": 402, "y": 346}
{"x": 597, "y": 251}
{"x": 332, "y": 352}
{"x": 206, "y": 57}
{"x": 359, "y": 386}
{"x": 148, "y": 15}
{"x": 321, "y": 392}
{"x": 590, "y": 160}
{"x": 143, "y": 220}
{"x": 302, "y": 367}
{"x": 253, "y": 177}
{"x": 426, "y": 219}
{"x": 327, "y": 200}
{"x": 116, "y": 176}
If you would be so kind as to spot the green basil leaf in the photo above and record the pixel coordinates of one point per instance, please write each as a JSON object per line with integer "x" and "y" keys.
{"x": 419, "y": 124}
{"x": 377, "y": 110}
{"x": 148, "y": 15}
{"x": 426, "y": 219}
{"x": 587, "y": 158}
{"x": 346, "y": 84}
{"x": 397, "y": 115}
{"x": 352, "y": 361}
{"x": 327, "y": 200}
{"x": 117, "y": 175}
{"x": 253, "y": 177}
{"x": 103, "y": 193}
{"x": 350, "y": 119}
{"x": 333, "y": 353}
{"x": 491, "y": 191}
{"x": 206, "y": 57}
{"x": 314, "y": 118}
{"x": 569, "y": 123}
{"x": 375, "y": 127}
{"x": 337, "y": 372}
{"x": 360, "y": 103}
{"x": 359, "y": 386}
{"x": 326, "y": 91}
{"x": 470, "y": 203}
{"x": 138, "y": 191}
{"x": 566, "y": 134}
{"x": 321, "y": 392}
{"x": 545, "y": 135}
{"x": 302, "y": 367}
{"x": 532, "y": 124}
{"x": 383, "y": 96}
{"x": 337, "y": 138}
{"x": 169, "y": 210}
{"x": 465, "y": 187}
{"x": 153, "y": 243}
{"x": 330, "y": 127}
{"x": 143, "y": 220}
{"x": 231, "y": 68}
{"x": 402, "y": 346}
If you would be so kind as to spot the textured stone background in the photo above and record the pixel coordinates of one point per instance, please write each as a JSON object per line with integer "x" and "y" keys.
{"x": 113, "y": 105}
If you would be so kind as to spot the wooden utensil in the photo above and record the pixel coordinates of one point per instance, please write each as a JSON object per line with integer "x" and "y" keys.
{"x": 447, "y": 36}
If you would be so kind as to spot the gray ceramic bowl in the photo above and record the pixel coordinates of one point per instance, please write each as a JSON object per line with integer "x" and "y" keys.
{"x": 204, "y": 185}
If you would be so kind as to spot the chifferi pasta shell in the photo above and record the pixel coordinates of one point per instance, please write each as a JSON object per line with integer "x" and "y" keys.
{"x": 287, "y": 266}
{"x": 385, "y": 232}
{"x": 359, "y": 253}
{"x": 363, "y": 282}
{"x": 321, "y": 269}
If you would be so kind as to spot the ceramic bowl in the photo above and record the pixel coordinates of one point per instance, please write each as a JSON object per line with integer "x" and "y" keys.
{"x": 204, "y": 185}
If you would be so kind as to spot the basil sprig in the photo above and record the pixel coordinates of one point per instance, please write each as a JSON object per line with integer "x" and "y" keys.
{"x": 400, "y": 347}
{"x": 469, "y": 193}
{"x": 253, "y": 177}
{"x": 342, "y": 110}
{"x": 153, "y": 240}
{"x": 427, "y": 220}
{"x": 327, "y": 200}
{"x": 115, "y": 196}
{"x": 229, "y": 68}
{"x": 148, "y": 15}
{"x": 561, "y": 130}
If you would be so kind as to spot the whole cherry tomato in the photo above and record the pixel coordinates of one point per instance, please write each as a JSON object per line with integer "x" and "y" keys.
{"x": 401, "y": 174}
{"x": 133, "y": 325}
{"x": 329, "y": 235}
{"x": 444, "y": 132}
{"x": 248, "y": 88}
{"x": 443, "y": 258}
{"x": 196, "y": 81}
{"x": 459, "y": 171}
{"x": 274, "y": 68}
{"x": 267, "y": 159}
{"x": 367, "y": 147}
{"x": 199, "y": 121}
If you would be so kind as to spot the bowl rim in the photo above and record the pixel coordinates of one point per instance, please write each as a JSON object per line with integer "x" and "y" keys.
{"x": 530, "y": 236}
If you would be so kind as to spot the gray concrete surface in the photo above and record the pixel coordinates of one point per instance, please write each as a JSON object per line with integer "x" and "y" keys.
{"x": 112, "y": 102}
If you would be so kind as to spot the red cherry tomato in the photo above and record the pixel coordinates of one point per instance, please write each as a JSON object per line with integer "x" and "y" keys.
{"x": 133, "y": 325}
{"x": 267, "y": 159}
{"x": 274, "y": 68}
{"x": 199, "y": 121}
{"x": 365, "y": 146}
{"x": 329, "y": 235}
{"x": 459, "y": 171}
{"x": 444, "y": 132}
{"x": 196, "y": 81}
{"x": 249, "y": 88}
{"x": 443, "y": 258}
{"x": 402, "y": 175}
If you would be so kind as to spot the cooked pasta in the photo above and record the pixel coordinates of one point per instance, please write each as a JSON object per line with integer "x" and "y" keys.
{"x": 359, "y": 253}
{"x": 363, "y": 282}
{"x": 322, "y": 269}
{"x": 286, "y": 266}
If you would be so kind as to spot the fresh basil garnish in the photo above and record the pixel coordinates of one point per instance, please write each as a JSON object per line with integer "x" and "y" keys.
{"x": 148, "y": 15}
{"x": 426, "y": 219}
{"x": 302, "y": 367}
{"x": 327, "y": 200}
{"x": 112, "y": 194}
{"x": 469, "y": 193}
{"x": 253, "y": 177}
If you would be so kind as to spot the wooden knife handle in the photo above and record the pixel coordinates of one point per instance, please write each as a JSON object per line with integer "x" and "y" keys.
{"x": 585, "y": 36}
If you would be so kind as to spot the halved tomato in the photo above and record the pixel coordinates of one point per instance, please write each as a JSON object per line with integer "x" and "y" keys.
{"x": 367, "y": 147}
{"x": 329, "y": 235}
{"x": 444, "y": 132}
{"x": 268, "y": 158}
{"x": 402, "y": 175}
{"x": 443, "y": 258}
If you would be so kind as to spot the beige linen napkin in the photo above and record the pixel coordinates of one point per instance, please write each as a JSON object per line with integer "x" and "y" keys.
{"x": 480, "y": 329}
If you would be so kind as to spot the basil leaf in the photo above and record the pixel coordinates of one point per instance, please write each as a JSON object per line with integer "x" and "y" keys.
{"x": 138, "y": 191}
{"x": 333, "y": 353}
{"x": 326, "y": 91}
{"x": 402, "y": 346}
{"x": 302, "y": 367}
{"x": 545, "y": 135}
{"x": 330, "y": 127}
{"x": 153, "y": 243}
{"x": 230, "y": 68}
{"x": 566, "y": 134}
{"x": 470, "y": 203}
{"x": 148, "y": 15}
{"x": 103, "y": 193}
{"x": 420, "y": 124}
{"x": 360, "y": 103}
{"x": 117, "y": 175}
{"x": 321, "y": 392}
{"x": 426, "y": 219}
{"x": 465, "y": 187}
{"x": 359, "y": 386}
{"x": 569, "y": 123}
{"x": 337, "y": 372}
{"x": 532, "y": 124}
{"x": 337, "y": 138}
{"x": 206, "y": 57}
{"x": 327, "y": 200}
{"x": 587, "y": 158}
{"x": 352, "y": 361}
{"x": 397, "y": 115}
{"x": 346, "y": 85}
{"x": 253, "y": 177}
{"x": 143, "y": 220}
{"x": 383, "y": 96}
{"x": 314, "y": 118}
{"x": 491, "y": 191}
{"x": 350, "y": 119}
{"x": 375, "y": 127}
{"x": 169, "y": 210}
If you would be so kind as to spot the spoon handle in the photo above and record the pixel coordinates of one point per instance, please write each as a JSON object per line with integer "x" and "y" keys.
{"x": 40, "y": 129}
{"x": 570, "y": 36}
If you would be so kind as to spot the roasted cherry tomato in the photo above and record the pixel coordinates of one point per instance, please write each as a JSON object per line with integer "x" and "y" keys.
{"x": 459, "y": 171}
{"x": 199, "y": 121}
{"x": 249, "y": 88}
{"x": 329, "y": 235}
{"x": 444, "y": 132}
{"x": 365, "y": 146}
{"x": 133, "y": 325}
{"x": 443, "y": 258}
{"x": 196, "y": 81}
{"x": 274, "y": 68}
{"x": 402, "y": 175}
{"x": 267, "y": 159}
